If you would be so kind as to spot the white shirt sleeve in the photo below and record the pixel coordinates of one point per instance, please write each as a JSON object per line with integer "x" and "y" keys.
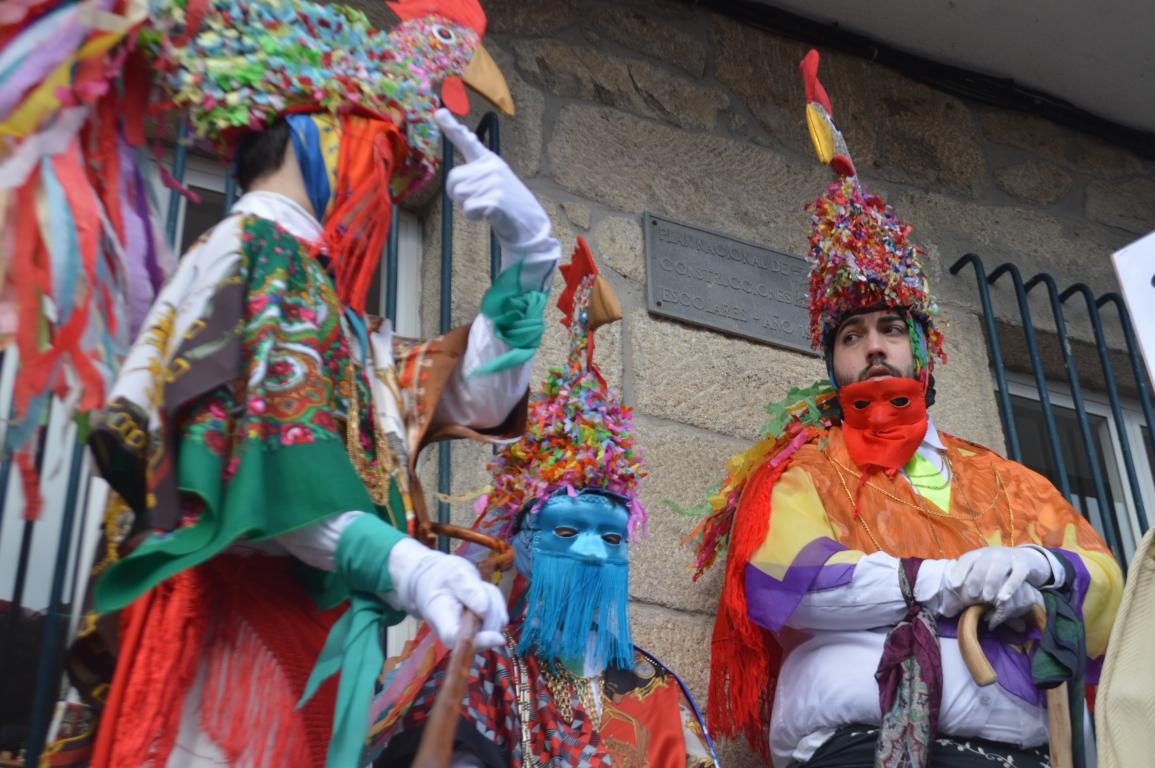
{"x": 316, "y": 544}
{"x": 872, "y": 599}
{"x": 481, "y": 401}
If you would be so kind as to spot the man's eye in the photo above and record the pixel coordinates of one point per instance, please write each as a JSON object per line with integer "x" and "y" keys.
{"x": 565, "y": 533}
{"x": 849, "y": 338}
{"x": 896, "y": 329}
{"x": 612, "y": 538}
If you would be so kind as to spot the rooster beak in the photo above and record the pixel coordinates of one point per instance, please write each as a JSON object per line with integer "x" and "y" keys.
{"x": 483, "y": 76}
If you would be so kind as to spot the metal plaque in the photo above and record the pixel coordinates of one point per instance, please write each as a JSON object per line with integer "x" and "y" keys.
{"x": 729, "y": 285}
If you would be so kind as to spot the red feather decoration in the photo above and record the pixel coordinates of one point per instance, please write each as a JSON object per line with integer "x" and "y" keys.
{"x": 467, "y": 13}
{"x": 814, "y": 90}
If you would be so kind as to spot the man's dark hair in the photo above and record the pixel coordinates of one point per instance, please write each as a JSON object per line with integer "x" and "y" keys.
{"x": 261, "y": 152}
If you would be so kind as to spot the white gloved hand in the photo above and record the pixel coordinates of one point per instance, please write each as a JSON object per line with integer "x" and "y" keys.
{"x": 435, "y": 587}
{"x": 1017, "y": 606}
{"x": 993, "y": 576}
{"x": 486, "y": 188}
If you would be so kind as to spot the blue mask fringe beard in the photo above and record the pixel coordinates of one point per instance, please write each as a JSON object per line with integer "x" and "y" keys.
{"x": 570, "y": 601}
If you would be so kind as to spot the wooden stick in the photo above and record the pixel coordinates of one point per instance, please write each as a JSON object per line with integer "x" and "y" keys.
{"x": 1058, "y": 707}
{"x": 437, "y": 739}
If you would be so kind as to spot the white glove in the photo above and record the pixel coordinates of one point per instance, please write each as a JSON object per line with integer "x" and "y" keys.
{"x": 435, "y": 587}
{"x": 994, "y": 576}
{"x": 486, "y": 188}
{"x": 1016, "y": 606}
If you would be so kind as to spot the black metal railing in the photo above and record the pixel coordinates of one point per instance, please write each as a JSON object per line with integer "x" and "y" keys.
{"x": 1111, "y": 527}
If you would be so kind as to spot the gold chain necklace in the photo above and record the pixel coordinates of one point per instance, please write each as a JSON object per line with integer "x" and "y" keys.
{"x": 524, "y": 705}
{"x": 376, "y": 477}
{"x": 927, "y": 513}
{"x": 564, "y": 685}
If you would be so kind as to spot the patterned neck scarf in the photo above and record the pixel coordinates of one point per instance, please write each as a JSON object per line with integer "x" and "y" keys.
{"x": 909, "y": 682}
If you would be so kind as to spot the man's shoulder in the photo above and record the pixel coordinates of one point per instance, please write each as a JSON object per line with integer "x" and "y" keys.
{"x": 971, "y": 451}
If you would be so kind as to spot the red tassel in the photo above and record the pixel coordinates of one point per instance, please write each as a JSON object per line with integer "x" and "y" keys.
{"x": 357, "y": 229}
{"x": 30, "y": 482}
{"x": 744, "y": 657}
{"x": 30, "y": 261}
{"x": 135, "y": 106}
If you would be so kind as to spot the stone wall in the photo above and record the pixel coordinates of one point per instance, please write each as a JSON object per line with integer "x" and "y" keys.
{"x": 627, "y": 107}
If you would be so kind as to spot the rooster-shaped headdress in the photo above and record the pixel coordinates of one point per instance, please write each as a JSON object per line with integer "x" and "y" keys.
{"x": 237, "y": 65}
{"x": 86, "y": 86}
{"x": 860, "y": 254}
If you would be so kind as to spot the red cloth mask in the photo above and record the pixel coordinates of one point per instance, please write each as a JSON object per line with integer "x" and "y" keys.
{"x": 883, "y": 421}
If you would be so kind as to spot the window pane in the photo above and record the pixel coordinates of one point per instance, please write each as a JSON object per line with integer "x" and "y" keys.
{"x": 1037, "y": 453}
{"x": 202, "y": 216}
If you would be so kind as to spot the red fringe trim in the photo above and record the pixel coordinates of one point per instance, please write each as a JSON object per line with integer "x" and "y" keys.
{"x": 164, "y": 632}
{"x": 744, "y": 658}
{"x": 357, "y": 229}
{"x": 243, "y": 624}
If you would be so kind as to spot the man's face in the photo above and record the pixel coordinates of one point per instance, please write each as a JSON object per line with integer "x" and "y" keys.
{"x": 872, "y": 345}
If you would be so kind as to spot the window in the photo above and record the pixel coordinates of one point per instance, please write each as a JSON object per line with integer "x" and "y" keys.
{"x": 207, "y": 178}
{"x": 1037, "y": 454}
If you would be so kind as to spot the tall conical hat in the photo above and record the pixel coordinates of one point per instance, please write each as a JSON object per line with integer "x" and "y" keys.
{"x": 860, "y": 253}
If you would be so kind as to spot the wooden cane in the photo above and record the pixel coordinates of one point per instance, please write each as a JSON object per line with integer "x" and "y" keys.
{"x": 436, "y": 747}
{"x": 1058, "y": 707}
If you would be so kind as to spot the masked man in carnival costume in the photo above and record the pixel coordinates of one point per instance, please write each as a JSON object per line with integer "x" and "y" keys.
{"x": 855, "y": 534}
{"x": 567, "y": 687}
{"x": 262, "y": 435}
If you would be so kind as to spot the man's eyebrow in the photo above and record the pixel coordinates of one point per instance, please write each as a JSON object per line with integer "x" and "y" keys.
{"x": 856, "y": 320}
{"x": 890, "y": 318}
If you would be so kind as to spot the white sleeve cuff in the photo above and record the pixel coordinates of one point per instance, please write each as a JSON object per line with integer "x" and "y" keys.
{"x": 1058, "y": 572}
{"x": 316, "y": 544}
{"x": 482, "y": 402}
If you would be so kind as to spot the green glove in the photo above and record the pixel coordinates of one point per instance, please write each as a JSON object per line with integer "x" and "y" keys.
{"x": 517, "y": 317}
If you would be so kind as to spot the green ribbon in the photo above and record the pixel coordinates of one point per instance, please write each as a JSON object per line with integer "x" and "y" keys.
{"x": 353, "y": 648}
{"x": 1061, "y": 656}
{"x": 517, "y": 317}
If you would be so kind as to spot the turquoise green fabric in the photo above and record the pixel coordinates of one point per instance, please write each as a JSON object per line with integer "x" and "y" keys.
{"x": 353, "y": 648}
{"x": 287, "y": 481}
{"x": 517, "y": 318}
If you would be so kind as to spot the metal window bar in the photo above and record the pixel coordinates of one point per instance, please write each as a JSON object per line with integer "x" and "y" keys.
{"x": 63, "y": 600}
{"x": 1111, "y": 525}
{"x": 1004, "y": 394}
{"x": 1113, "y": 395}
{"x": 1110, "y": 521}
{"x": 489, "y": 131}
{"x": 1137, "y": 368}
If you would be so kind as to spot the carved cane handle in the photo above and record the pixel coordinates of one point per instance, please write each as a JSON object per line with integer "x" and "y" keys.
{"x": 1058, "y": 708}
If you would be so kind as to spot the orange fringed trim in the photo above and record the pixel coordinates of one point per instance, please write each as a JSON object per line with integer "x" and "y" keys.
{"x": 358, "y": 228}
{"x": 255, "y": 634}
{"x": 164, "y": 634}
{"x": 265, "y": 639}
{"x": 744, "y": 658}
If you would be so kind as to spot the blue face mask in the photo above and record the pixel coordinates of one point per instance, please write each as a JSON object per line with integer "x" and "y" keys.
{"x": 588, "y": 527}
{"x": 576, "y": 548}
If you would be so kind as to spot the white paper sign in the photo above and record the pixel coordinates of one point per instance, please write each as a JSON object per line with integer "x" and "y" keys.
{"x": 1135, "y": 267}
